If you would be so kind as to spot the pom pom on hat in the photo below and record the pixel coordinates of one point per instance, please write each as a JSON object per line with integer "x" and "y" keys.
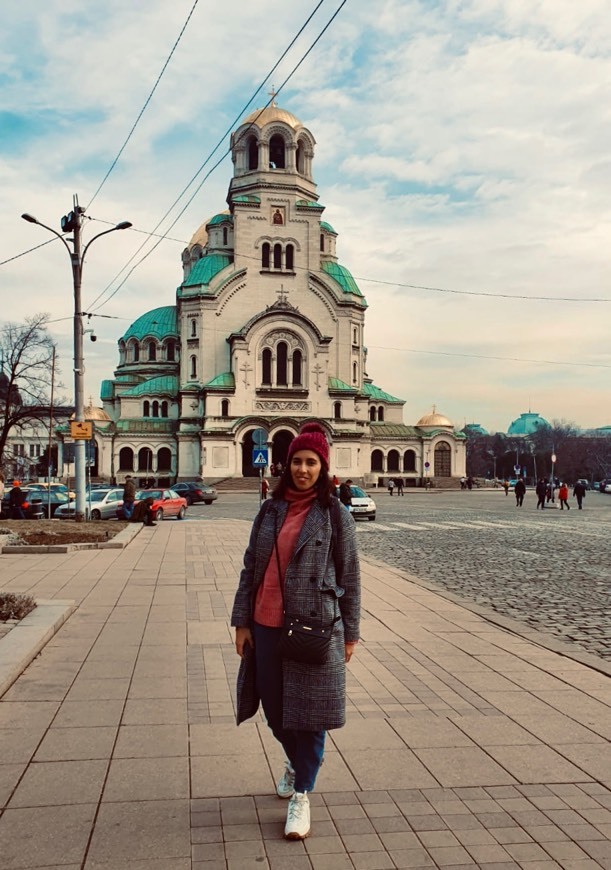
{"x": 311, "y": 437}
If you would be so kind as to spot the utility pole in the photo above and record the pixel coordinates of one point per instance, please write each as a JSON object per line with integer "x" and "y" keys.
{"x": 50, "y": 445}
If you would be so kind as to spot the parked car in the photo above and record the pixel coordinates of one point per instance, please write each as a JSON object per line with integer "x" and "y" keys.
{"x": 362, "y": 504}
{"x": 55, "y": 487}
{"x": 166, "y": 503}
{"x": 36, "y": 503}
{"x": 196, "y": 492}
{"x": 101, "y": 504}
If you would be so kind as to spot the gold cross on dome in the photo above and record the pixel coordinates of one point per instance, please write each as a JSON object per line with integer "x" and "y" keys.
{"x": 272, "y": 94}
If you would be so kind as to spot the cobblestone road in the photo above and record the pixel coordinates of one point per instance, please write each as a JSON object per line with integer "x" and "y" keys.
{"x": 550, "y": 569}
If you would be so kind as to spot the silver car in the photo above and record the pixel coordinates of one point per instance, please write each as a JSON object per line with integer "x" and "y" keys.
{"x": 100, "y": 504}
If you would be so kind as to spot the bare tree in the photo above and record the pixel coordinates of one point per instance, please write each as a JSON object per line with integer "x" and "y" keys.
{"x": 26, "y": 353}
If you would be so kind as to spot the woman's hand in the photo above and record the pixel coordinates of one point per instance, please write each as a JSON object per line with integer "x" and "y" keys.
{"x": 242, "y": 636}
{"x": 349, "y": 648}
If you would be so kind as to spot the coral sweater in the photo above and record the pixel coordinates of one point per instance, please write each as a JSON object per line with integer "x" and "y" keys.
{"x": 269, "y": 610}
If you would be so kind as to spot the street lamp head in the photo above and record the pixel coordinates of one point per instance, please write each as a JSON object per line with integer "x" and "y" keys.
{"x": 124, "y": 225}
{"x": 29, "y": 218}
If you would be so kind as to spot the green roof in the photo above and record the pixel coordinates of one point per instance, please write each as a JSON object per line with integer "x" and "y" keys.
{"x": 336, "y": 385}
{"x": 379, "y": 395}
{"x": 159, "y": 323}
{"x": 325, "y": 226}
{"x": 107, "y": 390}
{"x": 394, "y": 430}
{"x": 306, "y": 203}
{"x": 226, "y": 381}
{"x": 341, "y": 276}
{"x": 164, "y": 385}
{"x": 249, "y": 197}
{"x": 147, "y": 426}
{"x": 205, "y": 269}
{"x": 220, "y": 219}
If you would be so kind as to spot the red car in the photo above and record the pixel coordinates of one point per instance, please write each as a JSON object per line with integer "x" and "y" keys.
{"x": 166, "y": 503}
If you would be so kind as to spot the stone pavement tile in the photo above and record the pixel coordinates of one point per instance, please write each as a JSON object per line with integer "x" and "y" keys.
{"x": 485, "y": 855}
{"x": 414, "y": 859}
{"x": 592, "y": 757}
{"x": 438, "y": 838}
{"x": 511, "y": 835}
{"x": 108, "y": 669}
{"x": 151, "y": 741}
{"x": 375, "y": 811}
{"x": 536, "y": 764}
{"x": 19, "y": 744}
{"x": 327, "y": 862}
{"x": 154, "y": 711}
{"x": 32, "y": 689}
{"x": 329, "y": 845}
{"x": 79, "y": 714}
{"x": 9, "y": 777}
{"x": 556, "y": 729}
{"x": 354, "y": 826}
{"x": 148, "y": 864}
{"x": 364, "y": 733}
{"x": 445, "y": 856}
{"x": 566, "y": 852}
{"x": 217, "y": 776}
{"x": 98, "y": 690}
{"x": 134, "y": 779}
{"x": 56, "y": 783}
{"x": 525, "y": 852}
{"x": 245, "y": 849}
{"x": 143, "y": 831}
{"x": 463, "y": 766}
{"x": 335, "y": 774}
{"x": 74, "y": 744}
{"x": 599, "y": 850}
{"x": 372, "y": 861}
{"x": 158, "y": 687}
{"x": 45, "y": 836}
{"x": 362, "y": 843}
{"x": 292, "y": 848}
{"x": 103, "y": 652}
{"x": 380, "y": 769}
{"x": 33, "y": 713}
{"x": 210, "y": 739}
{"x": 390, "y": 824}
{"x": 430, "y": 731}
{"x": 493, "y": 730}
{"x": 175, "y": 667}
{"x": 393, "y": 840}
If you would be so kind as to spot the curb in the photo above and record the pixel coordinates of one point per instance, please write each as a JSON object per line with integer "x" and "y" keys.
{"x": 26, "y": 639}
{"x": 121, "y": 540}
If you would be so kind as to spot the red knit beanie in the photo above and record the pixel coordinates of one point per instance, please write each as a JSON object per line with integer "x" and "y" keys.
{"x": 311, "y": 437}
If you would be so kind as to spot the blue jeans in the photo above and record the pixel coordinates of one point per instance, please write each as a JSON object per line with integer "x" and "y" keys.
{"x": 304, "y": 749}
{"x": 128, "y": 509}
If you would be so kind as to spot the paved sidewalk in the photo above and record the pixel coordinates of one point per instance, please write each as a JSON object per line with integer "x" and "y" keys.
{"x": 467, "y": 746}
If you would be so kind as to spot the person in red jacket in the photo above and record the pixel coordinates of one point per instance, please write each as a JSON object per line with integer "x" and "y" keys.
{"x": 563, "y": 495}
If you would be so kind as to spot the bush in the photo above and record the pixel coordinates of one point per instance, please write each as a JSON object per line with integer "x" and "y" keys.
{"x": 15, "y": 606}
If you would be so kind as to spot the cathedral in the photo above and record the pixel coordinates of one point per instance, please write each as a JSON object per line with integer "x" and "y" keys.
{"x": 267, "y": 332}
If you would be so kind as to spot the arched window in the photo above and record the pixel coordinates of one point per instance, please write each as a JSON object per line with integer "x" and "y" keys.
{"x": 170, "y": 351}
{"x": 152, "y": 351}
{"x": 297, "y": 367}
{"x": 193, "y": 367}
{"x": 126, "y": 459}
{"x": 266, "y": 359}
{"x": 355, "y": 339}
{"x": 147, "y": 408}
{"x": 277, "y": 256}
{"x": 409, "y": 460}
{"x": 377, "y": 461}
{"x": 136, "y": 351}
{"x": 194, "y": 329}
{"x": 337, "y": 410}
{"x": 225, "y": 235}
{"x": 289, "y": 258}
{"x": 443, "y": 460}
{"x": 145, "y": 459}
{"x": 381, "y": 414}
{"x": 155, "y": 409}
{"x": 277, "y": 152}
{"x": 225, "y": 408}
{"x": 164, "y": 409}
{"x": 265, "y": 255}
{"x": 253, "y": 153}
{"x": 322, "y": 242}
{"x": 393, "y": 461}
{"x": 355, "y": 372}
{"x": 300, "y": 158}
{"x": 164, "y": 459}
{"x": 372, "y": 414}
{"x": 281, "y": 364}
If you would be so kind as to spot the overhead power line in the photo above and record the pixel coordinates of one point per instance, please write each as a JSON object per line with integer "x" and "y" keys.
{"x": 144, "y": 107}
{"x": 215, "y": 149}
{"x": 29, "y": 251}
{"x": 547, "y": 362}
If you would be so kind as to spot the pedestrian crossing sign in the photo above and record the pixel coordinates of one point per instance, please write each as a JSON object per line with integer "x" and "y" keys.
{"x": 259, "y": 457}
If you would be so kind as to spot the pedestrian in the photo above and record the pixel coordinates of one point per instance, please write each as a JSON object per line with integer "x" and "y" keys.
{"x": 506, "y": 487}
{"x": 335, "y": 480}
{"x": 143, "y": 512}
{"x": 16, "y": 498}
{"x": 301, "y": 561}
{"x": 579, "y": 491}
{"x": 279, "y": 469}
{"x": 272, "y": 469}
{"x": 541, "y": 490}
{"x": 469, "y": 483}
{"x": 563, "y": 496}
{"x": 345, "y": 494}
{"x": 399, "y": 486}
{"x": 463, "y": 482}
{"x": 391, "y": 486}
{"x": 519, "y": 491}
{"x": 129, "y": 495}
{"x": 264, "y": 488}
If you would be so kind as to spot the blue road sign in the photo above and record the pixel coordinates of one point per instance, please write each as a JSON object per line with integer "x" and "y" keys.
{"x": 259, "y": 438}
{"x": 259, "y": 457}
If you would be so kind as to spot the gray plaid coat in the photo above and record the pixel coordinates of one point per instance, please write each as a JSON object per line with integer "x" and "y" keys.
{"x": 315, "y": 588}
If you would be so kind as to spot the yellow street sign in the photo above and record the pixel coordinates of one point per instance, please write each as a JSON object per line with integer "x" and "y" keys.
{"x": 81, "y": 430}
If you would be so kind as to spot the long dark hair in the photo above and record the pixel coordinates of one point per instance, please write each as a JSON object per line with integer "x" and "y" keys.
{"x": 324, "y": 484}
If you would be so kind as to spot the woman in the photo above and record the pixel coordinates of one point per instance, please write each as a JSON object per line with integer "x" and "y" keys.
{"x": 301, "y": 560}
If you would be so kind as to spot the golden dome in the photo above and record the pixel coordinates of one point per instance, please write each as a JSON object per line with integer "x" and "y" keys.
{"x": 435, "y": 420}
{"x": 261, "y": 117}
{"x": 200, "y": 236}
{"x": 91, "y": 412}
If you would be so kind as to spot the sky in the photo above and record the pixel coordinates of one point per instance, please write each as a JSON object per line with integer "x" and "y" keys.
{"x": 462, "y": 146}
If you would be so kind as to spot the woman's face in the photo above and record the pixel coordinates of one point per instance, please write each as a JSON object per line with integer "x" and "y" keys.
{"x": 305, "y": 469}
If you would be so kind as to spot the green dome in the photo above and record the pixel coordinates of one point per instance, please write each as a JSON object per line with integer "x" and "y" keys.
{"x": 527, "y": 424}
{"x": 221, "y": 218}
{"x": 327, "y": 227}
{"x": 341, "y": 276}
{"x": 166, "y": 385}
{"x": 158, "y": 323}
{"x": 205, "y": 269}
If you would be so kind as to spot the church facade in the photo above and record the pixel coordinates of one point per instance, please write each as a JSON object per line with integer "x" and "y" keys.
{"x": 267, "y": 332}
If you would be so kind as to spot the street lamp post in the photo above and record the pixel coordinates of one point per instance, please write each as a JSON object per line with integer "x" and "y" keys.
{"x": 552, "y": 480}
{"x": 73, "y": 222}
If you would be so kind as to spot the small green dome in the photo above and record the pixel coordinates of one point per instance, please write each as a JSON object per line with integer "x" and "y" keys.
{"x": 341, "y": 276}
{"x": 223, "y": 217}
{"x": 158, "y": 323}
{"x": 327, "y": 227}
{"x": 205, "y": 269}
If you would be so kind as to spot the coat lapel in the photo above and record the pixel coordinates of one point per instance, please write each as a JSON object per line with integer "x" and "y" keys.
{"x": 314, "y": 520}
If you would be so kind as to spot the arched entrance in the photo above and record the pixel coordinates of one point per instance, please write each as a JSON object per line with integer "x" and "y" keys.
{"x": 443, "y": 460}
{"x": 280, "y": 446}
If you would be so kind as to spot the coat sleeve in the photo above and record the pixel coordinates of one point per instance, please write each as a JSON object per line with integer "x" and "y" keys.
{"x": 349, "y": 578}
{"x": 241, "y": 614}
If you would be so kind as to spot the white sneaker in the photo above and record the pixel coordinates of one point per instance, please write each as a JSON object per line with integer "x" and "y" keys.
{"x": 286, "y": 784}
{"x": 298, "y": 817}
